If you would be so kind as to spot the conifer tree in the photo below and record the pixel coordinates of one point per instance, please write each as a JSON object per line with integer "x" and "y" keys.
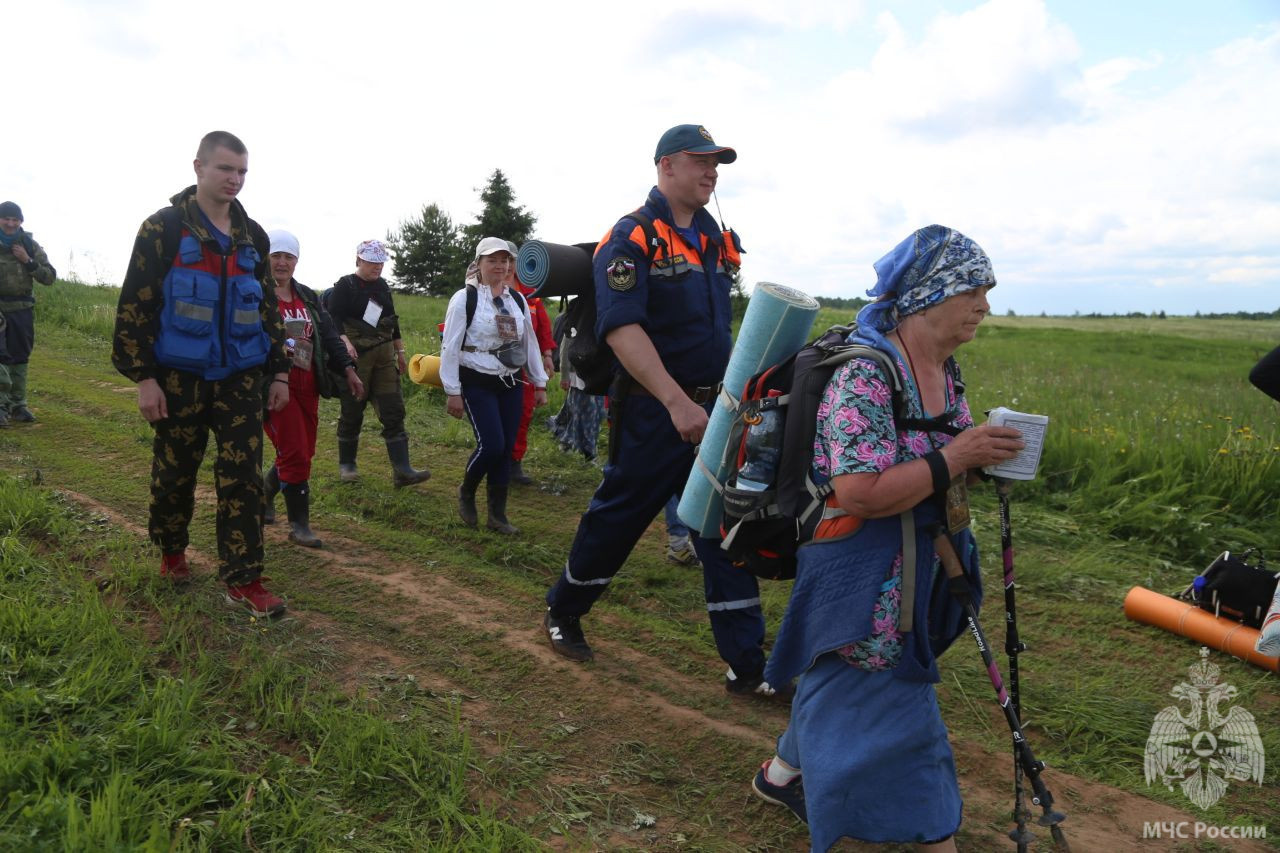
{"x": 427, "y": 253}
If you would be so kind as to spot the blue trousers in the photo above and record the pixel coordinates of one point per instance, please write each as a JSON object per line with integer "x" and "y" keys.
{"x": 648, "y": 465}
{"x": 495, "y": 411}
{"x": 675, "y": 527}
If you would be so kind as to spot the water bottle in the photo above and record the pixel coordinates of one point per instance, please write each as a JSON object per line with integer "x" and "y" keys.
{"x": 764, "y": 447}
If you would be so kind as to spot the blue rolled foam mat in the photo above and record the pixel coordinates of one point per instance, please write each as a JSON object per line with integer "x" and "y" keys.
{"x": 555, "y": 269}
{"x": 775, "y": 327}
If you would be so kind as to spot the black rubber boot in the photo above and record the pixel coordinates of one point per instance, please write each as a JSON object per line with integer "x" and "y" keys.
{"x": 270, "y": 487}
{"x": 402, "y": 473}
{"x": 467, "y": 500}
{"x": 518, "y": 476}
{"x": 297, "y": 502}
{"x": 498, "y": 511}
{"x": 347, "y": 449}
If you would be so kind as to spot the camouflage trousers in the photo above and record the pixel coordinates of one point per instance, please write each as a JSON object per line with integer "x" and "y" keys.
{"x": 380, "y": 374}
{"x": 232, "y": 409}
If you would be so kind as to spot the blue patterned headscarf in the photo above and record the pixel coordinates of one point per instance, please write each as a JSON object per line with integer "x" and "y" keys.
{"x": 933, "y": 264}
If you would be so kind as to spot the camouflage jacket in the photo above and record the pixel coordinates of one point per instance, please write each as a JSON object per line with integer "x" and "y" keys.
{"x": 142, "y": 294}
{"x": 17, "y": 290}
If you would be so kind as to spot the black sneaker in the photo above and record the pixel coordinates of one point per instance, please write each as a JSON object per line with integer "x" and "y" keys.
{"x": 755, "y": 687}
{"x": 565, "y": 634}
{"x": 21, "y": 415}
{"x": 790, "y": 795}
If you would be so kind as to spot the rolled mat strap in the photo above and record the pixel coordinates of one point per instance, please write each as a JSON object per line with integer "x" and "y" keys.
{"x": 425, "y": 370}
{"x": 776, "y": 326}
{"x": 1179, "y": 617}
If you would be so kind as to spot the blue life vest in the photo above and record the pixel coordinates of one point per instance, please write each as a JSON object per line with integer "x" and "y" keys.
{"x": 211, "y": 324}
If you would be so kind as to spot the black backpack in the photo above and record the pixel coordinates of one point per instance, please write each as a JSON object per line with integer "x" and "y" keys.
{"x": 1235, "y": 588}
{"x": 473, "y": 297}
{"x": 763, "y": 528}
{"x": 592, "y": 358}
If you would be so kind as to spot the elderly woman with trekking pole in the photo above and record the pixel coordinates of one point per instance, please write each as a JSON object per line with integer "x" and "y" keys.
{"x": 865, "y": 754}
{"x": 488, "y": 340}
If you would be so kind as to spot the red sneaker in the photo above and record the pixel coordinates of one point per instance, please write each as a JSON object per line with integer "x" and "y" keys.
{"x": 174, "y": 567}
{"x": 255, "y": 598}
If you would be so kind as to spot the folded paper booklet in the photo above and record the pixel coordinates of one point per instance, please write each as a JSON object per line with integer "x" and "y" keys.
{"x": 1024, "y": 465}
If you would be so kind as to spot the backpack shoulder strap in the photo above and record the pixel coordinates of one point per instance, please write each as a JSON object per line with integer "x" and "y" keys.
{"x": 171, "y": 237}
{"x": 473, "y": 297}
{"x": 652, "y": 242}
{"x": 881, "y": 359}
{"x": 519, "y": 298}
{"x": 953, "y": 370}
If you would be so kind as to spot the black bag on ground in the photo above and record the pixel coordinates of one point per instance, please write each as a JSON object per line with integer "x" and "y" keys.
{"x": 1234, "y": 588}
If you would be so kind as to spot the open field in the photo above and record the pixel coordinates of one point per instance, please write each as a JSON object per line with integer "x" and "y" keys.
{"x": 409, "y": 700}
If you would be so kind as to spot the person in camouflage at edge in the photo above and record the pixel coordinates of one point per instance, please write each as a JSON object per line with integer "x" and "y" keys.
{"x": 196, "y": 326}
{"x": 22, "y": 262}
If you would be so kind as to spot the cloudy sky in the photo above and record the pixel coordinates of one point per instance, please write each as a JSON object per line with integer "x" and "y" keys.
{"x": 1110, "y": 156}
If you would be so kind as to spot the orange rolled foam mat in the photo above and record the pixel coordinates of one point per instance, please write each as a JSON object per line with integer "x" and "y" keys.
{"x": 1179, "y": 617}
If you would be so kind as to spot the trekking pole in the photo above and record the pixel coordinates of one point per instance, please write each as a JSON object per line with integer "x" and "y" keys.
{"x": 960, "y": 590}
{"x": 1012, "y": 646}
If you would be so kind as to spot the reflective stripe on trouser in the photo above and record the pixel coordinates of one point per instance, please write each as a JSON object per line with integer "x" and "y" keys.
{"x": 651, "y": 465}
{"x": 495, "y": 418}
{"x": 377, "y": 370}
{"x": 232, "y": 409}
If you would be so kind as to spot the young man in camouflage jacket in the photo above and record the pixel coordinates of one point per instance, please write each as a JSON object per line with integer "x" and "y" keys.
{"x": 199, "y": 331}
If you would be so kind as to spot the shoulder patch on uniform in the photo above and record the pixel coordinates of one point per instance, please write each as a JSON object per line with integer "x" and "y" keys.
{"x": 621, "y": 272}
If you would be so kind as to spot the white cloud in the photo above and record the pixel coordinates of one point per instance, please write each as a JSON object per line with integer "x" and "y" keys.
{"x": 851, "y": 134}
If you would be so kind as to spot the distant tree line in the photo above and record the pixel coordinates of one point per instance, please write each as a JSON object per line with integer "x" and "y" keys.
{"x": 852, "y": 303}
{"x": 1160, "y": 315}
{"x": 431, "y": 252}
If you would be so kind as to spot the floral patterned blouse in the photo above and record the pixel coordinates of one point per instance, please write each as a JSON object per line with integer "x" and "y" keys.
{"x": 856, "y": 435}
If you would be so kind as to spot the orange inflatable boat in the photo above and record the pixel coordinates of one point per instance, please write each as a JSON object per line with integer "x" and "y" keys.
{"x": 1152, "y": 608}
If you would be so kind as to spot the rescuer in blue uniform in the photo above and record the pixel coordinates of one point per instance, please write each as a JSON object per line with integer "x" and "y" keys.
{"x": 664, "y": 308}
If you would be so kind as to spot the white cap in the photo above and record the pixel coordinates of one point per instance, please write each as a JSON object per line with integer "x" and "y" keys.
{"x": 372, "y": 251}
{"x": 489, "y": 245}
{"x": 283, "y": 241}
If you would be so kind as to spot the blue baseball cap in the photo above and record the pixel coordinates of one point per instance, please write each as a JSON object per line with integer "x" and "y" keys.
{"x": 691, "y": 139}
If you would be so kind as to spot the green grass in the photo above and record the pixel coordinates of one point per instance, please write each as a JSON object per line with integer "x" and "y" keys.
{"x": 140, "y": 719}
{"x": 136, "y": 722}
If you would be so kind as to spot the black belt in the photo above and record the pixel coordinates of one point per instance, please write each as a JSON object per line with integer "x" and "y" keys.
{"x": 700, "y": 394}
